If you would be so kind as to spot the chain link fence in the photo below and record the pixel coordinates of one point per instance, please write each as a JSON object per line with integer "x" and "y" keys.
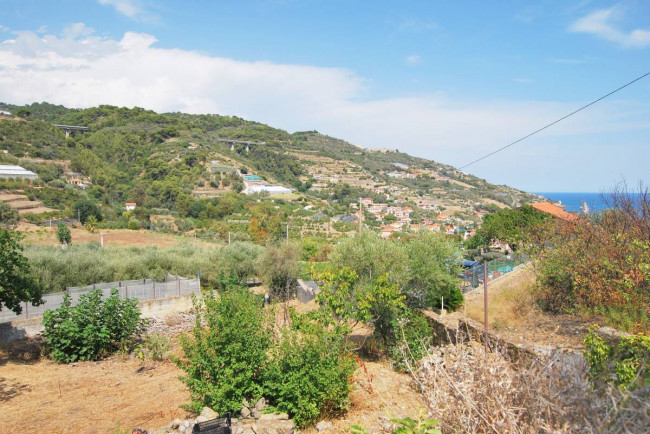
{"x": 474, "y": 275}
{"x": 142, "y": 289}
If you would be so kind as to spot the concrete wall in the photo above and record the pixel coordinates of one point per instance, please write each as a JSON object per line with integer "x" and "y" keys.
{"x": 160, "y": 307}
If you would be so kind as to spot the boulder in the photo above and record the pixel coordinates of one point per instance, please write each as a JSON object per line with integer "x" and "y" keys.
{"x": 260, "y": 404}
{"x": 275, "y": 426}
{"x": 209, "y": 413}
{"x": 200, "y": 419}
{"x": 323, "y": 426}
{"x": 256, "y": 413}
{"x": 245, "y": 412}
{"x": 278, "y": 416}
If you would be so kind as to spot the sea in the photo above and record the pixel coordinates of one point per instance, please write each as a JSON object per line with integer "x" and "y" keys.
{"x": 572, "y": 201}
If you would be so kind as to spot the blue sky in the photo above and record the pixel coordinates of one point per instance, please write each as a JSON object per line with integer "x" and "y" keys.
{"x": 449, "y": 81}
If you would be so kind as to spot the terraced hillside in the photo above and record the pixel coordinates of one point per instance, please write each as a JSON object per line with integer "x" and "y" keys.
{"x": 183, "y": 165}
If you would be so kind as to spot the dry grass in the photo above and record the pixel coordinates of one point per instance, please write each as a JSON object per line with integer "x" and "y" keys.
{"x": 511, "y": 301}
{"x": 468, "y": 391}
{"x": 514, "y": 314}
{"x": 46, "y": 236}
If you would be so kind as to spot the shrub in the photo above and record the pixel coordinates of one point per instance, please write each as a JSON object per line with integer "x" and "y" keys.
{"x": 92, "y": 329}
{"x": 309, "y": 375}
{"x": 63, "y": 233}
{"x": 413, "y": 336}
{"x": 623, "y": 362}
{"x": 156, "y": 346}
{"x": 223, "y": 361}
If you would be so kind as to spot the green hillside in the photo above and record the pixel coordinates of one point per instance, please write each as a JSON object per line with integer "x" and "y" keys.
{"x": 184, "y": 167}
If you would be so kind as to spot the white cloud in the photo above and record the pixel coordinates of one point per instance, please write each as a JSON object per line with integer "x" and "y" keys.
{"x": 413, "y": 60}
{"x": 79, "y": 69}
{"x": 600, "y": 24}
{"x": 129, "y": 8}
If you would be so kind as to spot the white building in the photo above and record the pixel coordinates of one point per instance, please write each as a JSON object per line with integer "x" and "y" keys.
{"x": 271, "y": 189}
{"x": 16, "y": 172}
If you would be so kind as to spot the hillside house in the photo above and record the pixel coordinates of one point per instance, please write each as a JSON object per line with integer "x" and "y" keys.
{"x": 130, "y": 206}
{"x": 554, "y": 210}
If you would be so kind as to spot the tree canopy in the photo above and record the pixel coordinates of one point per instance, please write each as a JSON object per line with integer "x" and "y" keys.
{"x": 16, "y": 283}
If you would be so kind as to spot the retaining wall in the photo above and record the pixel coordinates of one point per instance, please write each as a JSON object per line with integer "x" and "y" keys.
{"x": 27, "y": 328}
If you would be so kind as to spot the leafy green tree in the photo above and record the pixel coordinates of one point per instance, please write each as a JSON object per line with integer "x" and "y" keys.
{"x": 85, "y": 209}
{"x": 9, "y": 217}
{"x": 370, "y": 257}
{"x": 240, "y": 259}
{"x": 16, "y": 282}
{"x": 63, "y": 233}
{"x": 22, "y": 113}
{"x": 512, "y": 226}
{"x": 279, "y": 267}
{"x": 223, "y": 360}
{"x": 432, "y": 272}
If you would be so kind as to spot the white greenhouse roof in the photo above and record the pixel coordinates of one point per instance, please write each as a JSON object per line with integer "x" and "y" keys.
{"x": 17, "y": 171}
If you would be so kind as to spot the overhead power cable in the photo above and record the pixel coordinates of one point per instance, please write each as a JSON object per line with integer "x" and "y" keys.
{"x": 555, "y": 122}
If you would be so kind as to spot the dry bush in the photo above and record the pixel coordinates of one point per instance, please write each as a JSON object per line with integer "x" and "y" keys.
{"x": 469, "y": 392}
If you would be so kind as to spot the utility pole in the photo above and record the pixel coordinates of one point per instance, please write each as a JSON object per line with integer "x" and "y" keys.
{"x": 485, "y": 304}
{"x": 287, "y": 233}
{"x": 228, "y": 237}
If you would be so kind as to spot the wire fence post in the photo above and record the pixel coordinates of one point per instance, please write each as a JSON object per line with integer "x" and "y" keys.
{"x": 154, "y": 289}
{"x": 26, "y": 311}
{"x": 485, "y": 304}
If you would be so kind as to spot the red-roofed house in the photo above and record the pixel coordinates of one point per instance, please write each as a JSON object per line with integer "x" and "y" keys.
{"x": 554, "y": 210}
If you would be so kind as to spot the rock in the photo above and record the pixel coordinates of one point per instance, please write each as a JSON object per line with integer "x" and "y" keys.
{"x": 181, "y": 428}
{"x": 275, "y": 427}
{"x": 245, "y": 403}
{"x": 248, "y": 431}
{"x": 200, "y": 419}
{"x": 176, "y": 423}
{"x": 186, "y": 424}
{"x": 323, "y": 426}
{"x": 209, "y": 413}
{"x": 278, "y": 416}
{"x": 256, "y": 413}
{"x": 260, "y": 404}
{"x": 245, "y": 412}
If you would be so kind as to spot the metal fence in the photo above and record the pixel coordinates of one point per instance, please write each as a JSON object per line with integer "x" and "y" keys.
{"x": 474, "y": 276}
{"x": 143, "y": 289}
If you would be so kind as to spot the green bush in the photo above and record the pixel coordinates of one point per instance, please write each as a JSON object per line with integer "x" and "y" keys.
{"x": 231, "y": 356}
{"x": 623, "y": 362}
{"x": 309, "y": 375}
{"x": 413, "y": 335}
{"x": 223, "y": 361}
{"x": 93, "y": 329}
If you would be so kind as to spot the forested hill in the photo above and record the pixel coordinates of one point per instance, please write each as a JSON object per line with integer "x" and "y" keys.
{"x": 137, "y": 155}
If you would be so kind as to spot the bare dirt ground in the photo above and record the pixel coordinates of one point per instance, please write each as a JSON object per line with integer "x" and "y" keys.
{"x": 46, "y": 236}
{"x": 513, "y": 315}
{"x": 37, "y": 395}
{"x": 89, "y": 397}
